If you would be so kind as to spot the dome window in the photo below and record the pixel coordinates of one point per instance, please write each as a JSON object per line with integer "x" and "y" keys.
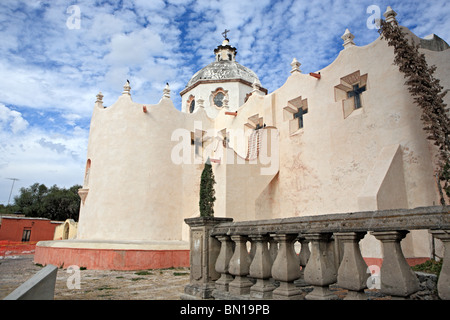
{"x": 190, "y": 104}
{"x": 218, "y": 99}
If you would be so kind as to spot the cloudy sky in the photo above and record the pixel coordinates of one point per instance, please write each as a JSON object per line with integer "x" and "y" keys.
{"x": 55, "y": 56}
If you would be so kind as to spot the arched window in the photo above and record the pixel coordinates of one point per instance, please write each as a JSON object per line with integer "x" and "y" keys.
{"x": 190, "y": 104}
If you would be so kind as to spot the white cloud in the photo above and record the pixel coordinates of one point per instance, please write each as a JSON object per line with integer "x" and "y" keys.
{"x": 18, "y": 124}
{"x": 12, "y": 119}
{"x": 37, "y": 155}
{"x": 135, "y": 48}
{"x": 58, "y": 147}
{"x": 149, "y": 6}
{"x": 105, "y": 25}
{"x": 71, "y": 118}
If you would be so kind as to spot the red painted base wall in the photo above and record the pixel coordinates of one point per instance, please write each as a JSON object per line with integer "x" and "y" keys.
{"x": 110, "y": 259}
{"x": 379, "y": 261}
{"x": 16, "y": 248}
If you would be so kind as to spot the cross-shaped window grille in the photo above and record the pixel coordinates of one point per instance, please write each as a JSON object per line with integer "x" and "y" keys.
{"x": 356, "y": 92}
{"x": 299, "y": 115}
{"x": 350, "y": 92}
{"x": 295, "y": 112}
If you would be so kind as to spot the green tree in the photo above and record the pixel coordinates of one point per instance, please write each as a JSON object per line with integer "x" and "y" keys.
{"x": 207, "y": 191}
{"x": 9, "y": 209}
{"x": 54, "y": 203}
{"x": 62, "y": 204}
{"x": 30, "y": 200}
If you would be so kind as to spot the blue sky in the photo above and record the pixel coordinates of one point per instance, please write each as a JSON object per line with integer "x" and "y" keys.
{"x": 52, "y": 66}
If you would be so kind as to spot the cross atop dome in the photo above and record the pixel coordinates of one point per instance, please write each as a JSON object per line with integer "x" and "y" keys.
{"x": 224, "y": 34}
{"x": 225, "y": 52}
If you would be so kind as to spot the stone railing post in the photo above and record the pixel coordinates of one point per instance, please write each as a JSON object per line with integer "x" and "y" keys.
{"x": 273, "y": 249}
{"x": 286, "y": 268}
{"x": 303, "y": 257}
{"x": 239, "y": 267}
{"x": 305, "y": 253}
{"x": 204, "y": 251}
{"x": 222, "y": 263}
{"x": 352, "y": 273}
{"x": 320, "y": 271}
{"x": 444, "y": 277}
{"x": 396, "y": 276}
{"x": 260, "y": 269}
{"x": 251, "y": 254}
{"x": 252, "y": 248}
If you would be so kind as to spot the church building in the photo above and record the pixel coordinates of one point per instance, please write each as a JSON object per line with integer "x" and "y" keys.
{"x": 346, "y": 138}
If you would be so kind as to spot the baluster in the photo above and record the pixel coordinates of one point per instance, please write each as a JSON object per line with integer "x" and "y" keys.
{"x": 286, "y": 268}
{"x": 303, "y": 257}
{"x": 239, "y": 267}
{"x": 352, "y": 273}
{"x": 252, "y": 248}
{"x": 260, "y": 269}
{"x": 444, "y": 276}
{"x": 396, "y": 276}
{"x": 320, "y": 271}
{"x": 304, "y": 251}
{"x": 222, "y": 263}
{"x": 251, "y": 254}
{"x": 273, "y": 249}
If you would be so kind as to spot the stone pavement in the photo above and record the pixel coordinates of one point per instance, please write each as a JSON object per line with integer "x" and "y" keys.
{"x": 165, "y": 284}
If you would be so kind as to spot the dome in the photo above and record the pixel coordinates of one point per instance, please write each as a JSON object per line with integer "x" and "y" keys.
{"x": 216, "y": 84}
{"x": 224, "y": 70}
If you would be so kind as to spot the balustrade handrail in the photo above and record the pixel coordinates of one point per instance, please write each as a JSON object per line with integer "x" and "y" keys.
{"x": 222, "y": 266}
{"x": 433, "y": 218}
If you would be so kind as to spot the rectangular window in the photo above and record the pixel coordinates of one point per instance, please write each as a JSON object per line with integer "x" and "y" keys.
{"x": 26, "y": 235}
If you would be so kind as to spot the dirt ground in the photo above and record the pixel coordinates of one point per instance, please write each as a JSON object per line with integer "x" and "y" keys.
{"x": 165, "y": 284}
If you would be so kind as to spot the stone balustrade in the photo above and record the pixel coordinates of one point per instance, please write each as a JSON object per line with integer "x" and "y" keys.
{"x": 225, "y": 266}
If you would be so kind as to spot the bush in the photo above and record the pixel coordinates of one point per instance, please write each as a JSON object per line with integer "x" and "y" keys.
{"x": 430, "y": 266}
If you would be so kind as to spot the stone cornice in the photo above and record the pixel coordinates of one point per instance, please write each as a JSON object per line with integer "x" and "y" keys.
{"x": 433, "y": 218}
{"x": 220, "y": 81}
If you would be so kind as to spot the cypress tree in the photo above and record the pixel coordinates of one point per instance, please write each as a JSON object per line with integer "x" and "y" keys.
{"x": 428, "y": 95}
{"x": 207, "y": 191}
